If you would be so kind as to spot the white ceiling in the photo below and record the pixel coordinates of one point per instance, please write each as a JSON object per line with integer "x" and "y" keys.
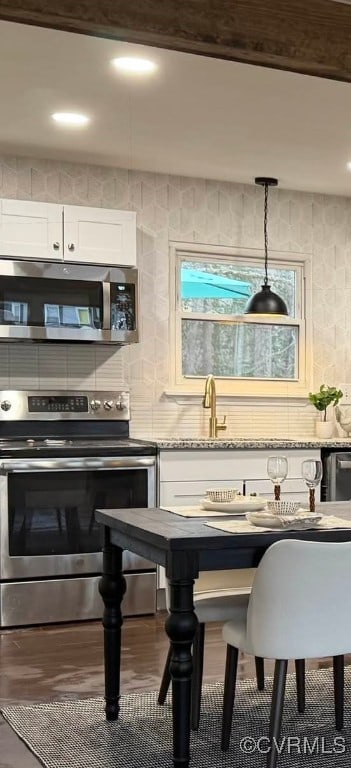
{"x": 195, "y": 116}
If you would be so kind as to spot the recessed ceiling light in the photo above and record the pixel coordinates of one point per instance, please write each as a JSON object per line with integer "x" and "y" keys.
{"x": 70, "y": 118}
{"x": 348, "y": 166}
{"x": 134, "y": 64}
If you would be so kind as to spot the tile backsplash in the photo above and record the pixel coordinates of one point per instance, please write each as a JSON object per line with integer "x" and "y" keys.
{"x": 173, "y": 208}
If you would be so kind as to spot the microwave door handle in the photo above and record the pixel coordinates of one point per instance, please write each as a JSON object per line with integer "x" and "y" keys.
{"x": 106, "y": 306}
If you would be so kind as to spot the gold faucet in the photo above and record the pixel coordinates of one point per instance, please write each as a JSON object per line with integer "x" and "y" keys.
{"x": 210, "y": 401}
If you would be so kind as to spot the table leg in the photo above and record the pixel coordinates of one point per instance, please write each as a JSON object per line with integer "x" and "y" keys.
{"x": 112, "y": 587}
{"x": 181, "y": 625}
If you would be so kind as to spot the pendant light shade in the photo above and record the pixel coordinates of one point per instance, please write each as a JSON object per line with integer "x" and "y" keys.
{"x": 266, "y": 302}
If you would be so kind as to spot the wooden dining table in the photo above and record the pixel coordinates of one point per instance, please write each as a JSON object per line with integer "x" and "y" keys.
{"x": 184, "y": 546}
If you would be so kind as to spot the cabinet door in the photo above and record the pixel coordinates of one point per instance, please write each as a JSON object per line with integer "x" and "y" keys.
{"x": 30, "y": 230}
{"x": 293, "y": 489}
{"x": 185, "y": 494}
{"x": 99, "y": 236}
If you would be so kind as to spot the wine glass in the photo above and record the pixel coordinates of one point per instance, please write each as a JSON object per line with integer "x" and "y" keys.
{"x": 277, "y": 470}
{"x": 312, "y": 475}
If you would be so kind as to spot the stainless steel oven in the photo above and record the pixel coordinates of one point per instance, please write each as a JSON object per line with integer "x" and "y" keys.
{"x": 40, "y": 301}
{"x": 50, "y": 543}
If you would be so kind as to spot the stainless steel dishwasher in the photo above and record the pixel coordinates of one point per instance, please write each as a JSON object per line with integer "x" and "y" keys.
{"x": 336, "y": 484}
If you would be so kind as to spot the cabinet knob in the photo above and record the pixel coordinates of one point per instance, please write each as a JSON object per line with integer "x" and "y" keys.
{"x": 71, "y": 246}
{"x": 56, "y": 246}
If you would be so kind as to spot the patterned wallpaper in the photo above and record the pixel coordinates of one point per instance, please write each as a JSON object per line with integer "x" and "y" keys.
{"x": 189, "y": 210}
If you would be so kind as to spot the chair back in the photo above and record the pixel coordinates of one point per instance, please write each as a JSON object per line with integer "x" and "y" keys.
{"x": 300, "y": 603}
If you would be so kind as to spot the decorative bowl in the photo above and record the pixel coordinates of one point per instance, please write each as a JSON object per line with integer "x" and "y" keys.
{"x": 299, "y": 522}
{"x": 283, "y": 508}
{"x": 221, "y": 494}
{"x": 238, "y": 506}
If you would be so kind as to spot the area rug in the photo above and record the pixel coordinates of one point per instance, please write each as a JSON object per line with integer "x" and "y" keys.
{"x": 74, "y": 734}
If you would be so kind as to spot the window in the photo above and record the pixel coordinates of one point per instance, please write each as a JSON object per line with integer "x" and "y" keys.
{"x": 211, "y": 334}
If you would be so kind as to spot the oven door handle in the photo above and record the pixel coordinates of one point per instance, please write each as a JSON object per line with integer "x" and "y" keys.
{"x": 49, "y": 465}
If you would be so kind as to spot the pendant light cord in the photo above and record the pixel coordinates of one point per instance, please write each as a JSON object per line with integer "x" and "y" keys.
{"x": 266, "y": 302}
{"x": 265, "y": 234}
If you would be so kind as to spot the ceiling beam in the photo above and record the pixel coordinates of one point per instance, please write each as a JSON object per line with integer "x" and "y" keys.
{"x": 307, "y": 36}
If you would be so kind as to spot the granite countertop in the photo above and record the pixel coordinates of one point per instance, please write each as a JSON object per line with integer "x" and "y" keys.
{"x": 180, "y": 443}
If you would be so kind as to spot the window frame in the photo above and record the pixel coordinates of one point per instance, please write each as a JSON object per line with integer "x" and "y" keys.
{"x": 231, "y": 386}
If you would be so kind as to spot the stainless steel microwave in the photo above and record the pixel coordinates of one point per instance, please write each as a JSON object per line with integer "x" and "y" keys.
{"x": 40, "y": 301}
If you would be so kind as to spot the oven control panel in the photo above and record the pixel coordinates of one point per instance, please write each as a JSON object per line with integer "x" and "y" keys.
{"x": 48, "y": 405}
{"x": 58, "y": 404}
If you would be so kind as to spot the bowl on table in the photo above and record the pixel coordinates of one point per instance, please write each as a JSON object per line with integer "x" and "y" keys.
{"x": 283, "y": 508}
{"x": 238, "y": 506}
{"x": 221, "y": 495}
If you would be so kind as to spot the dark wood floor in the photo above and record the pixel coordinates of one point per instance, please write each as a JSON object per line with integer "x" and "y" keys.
{"x": 66, "y": 662}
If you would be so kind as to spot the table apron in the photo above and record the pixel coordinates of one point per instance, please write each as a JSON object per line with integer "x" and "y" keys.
{"x": 138, "y": 547}
{"x": 230, "y": 559}
{"x": 195, "y": 559}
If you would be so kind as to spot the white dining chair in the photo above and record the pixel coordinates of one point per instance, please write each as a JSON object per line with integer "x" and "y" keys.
{"x": 299, "y": 607}
{"x": 218, "y": 604}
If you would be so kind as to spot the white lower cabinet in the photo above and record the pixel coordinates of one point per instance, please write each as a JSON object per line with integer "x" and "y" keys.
{"x": 185, "y": 475}
{"x": 184, "y": 494}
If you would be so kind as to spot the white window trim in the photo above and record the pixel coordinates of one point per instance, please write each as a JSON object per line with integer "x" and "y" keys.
{"x": 194, "y": 386}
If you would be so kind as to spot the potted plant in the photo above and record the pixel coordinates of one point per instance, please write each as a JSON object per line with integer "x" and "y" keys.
{"x": 321, "y": 400}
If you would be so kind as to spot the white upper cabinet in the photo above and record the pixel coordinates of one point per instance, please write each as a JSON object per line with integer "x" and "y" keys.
{"x": 99, "y": 236}
{"x": 77, "y": 233}
{"x": 31, "y": 230}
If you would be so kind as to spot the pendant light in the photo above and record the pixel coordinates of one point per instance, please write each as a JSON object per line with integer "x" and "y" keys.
{"x": 265, "y": 302}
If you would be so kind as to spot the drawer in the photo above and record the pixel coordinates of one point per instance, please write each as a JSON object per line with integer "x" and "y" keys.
{"x": 221, "y": 464}
{"x": 197, "y": 465}
{"x": 74, "y": 599}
